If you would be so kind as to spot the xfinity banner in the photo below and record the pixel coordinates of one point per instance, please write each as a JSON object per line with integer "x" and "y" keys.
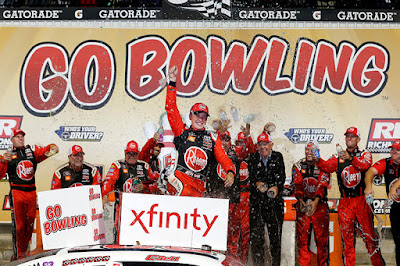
{"x": 173, "y": 221}
{"x": 198, "y": 10}
{"x": 67, "y": 220}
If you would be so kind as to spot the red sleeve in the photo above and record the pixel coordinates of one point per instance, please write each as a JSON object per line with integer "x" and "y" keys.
{"x": 151, "y": 186}
{"x": 97, "y": 177}
{"x": 110, "y": 179}
{"x": 380, "y": 166}
{"x": 222, "y": 158}
{"x": 40, "y": 152}
{"x": 363, "y": 162}
{"x": 251, "y": 147}
{"x": 145, "y": 153}
{"x": 174, "y": 117}
{"x": 297, "y": 178}
{"x": 56, "y": 182}
{"x": 329, "y": 166}
{"x": 323, "y": 183}
{"x": 3, "y": 167}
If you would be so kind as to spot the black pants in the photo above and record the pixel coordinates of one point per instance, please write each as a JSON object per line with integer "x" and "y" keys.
{"x": 395, "y": 222}
{"x": 269, "y": 213}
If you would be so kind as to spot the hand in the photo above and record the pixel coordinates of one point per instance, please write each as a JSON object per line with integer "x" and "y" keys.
{"x": 368, "y": 190}
{"x": 54, "y": 148}
{"x": 106, "y": 201}
{"x": 313, "y": 207}
{"x": 7, "y": 156}
{"x": 344, "y": 155}
{"x": 229, "y": 178}
{"x": 139, "y": 187}
{"x": 393, "y": 194}
{"x": 275, "y": 190}
{"x": 172, "y": 73}
{"x": 246, "y": 130}
{"x": 261, "y": 186}
{"x": 156, "y": 137}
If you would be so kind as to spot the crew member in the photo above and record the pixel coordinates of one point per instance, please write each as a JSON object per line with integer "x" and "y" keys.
{"x": 128, "y": 175}
{"x": 195, "y": 146}
{"x": 150, "y": 152}
{"x": 350, "y": 167}
{"x": 310, "y": 189}
{"x": 267, "y": 176}
{"x": 20, "y": 165}
{"x": 76, "y": 172}
{"x": 389, "y": 167}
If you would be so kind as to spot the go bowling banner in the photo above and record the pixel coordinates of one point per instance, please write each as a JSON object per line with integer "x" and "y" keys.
{"x": 173, "y": 221}
{"x": 71, "y": 217}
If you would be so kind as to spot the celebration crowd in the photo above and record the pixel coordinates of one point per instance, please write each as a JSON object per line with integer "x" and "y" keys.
{"x": 250, "y": 174}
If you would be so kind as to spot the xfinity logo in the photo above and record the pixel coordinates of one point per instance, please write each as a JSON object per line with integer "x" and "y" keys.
{"x": 181, "y": 220}
{"x": 207, "y": 8}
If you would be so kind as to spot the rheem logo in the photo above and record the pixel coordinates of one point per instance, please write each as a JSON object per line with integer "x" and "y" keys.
{"x": 382, "y": 133}
{"x": 7, "y": 124}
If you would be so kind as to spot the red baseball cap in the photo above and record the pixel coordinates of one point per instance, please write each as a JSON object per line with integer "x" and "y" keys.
{"x": 75, "y": 150}
{"x": 132, "y": 146}
{"x": 395, "y": 144}
{"x": 240, "y": 136}
{"x": 264, "y": 137}
{"x": 17, "y": 131}
{"x": 199, "y": 107}
{"x": 312, "y": 143}
{"x": 353, "y": 130}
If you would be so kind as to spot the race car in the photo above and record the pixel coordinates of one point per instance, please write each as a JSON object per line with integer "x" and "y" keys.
{"x": 117, "y": 255}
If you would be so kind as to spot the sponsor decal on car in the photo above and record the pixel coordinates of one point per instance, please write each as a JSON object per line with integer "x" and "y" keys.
{"x": 79, "y": 133}
{"x": 7, "y": 125}
{"x": 162, "y": 258}
{"x": 302, "y": 135}
{"x": 382, "y": 133}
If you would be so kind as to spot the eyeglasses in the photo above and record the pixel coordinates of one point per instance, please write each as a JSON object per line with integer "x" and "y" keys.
{"x": 131, "y": 153}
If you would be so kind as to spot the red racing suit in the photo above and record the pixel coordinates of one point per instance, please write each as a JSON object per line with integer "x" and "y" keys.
{"x": 391, "y": 171}
{"x": 21, "y": 173}
{"x": 195, "y": 148}
{"x": 65, "y": 176}
{"x": 309, "y": 183}
{"x": 352, "y": 205}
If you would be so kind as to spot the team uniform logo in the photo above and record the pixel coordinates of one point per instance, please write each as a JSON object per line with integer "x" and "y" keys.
{"x": 78, "y": 133}
{"x": 303, "y": 135}
{"x": 351, "y": 177}
{"x": 195, "y": 159}
{"x": 221, "y": 172}
{"x": 25, "y": 170}
{"x": 129, "y": 185}
{"x": 310, "y": 186}
{"x": 382, "y": 133}
{"x": 7, "y": 125}
{"x": 77, "y": 185}
{"x": 244, "y": 171}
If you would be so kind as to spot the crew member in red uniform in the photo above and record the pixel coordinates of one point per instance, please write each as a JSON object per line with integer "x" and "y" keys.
{"x": 350, "y": 166}
{"x": 76, "y": 172}
{"x": 389, "y": 167}
{"x": 128, "y": 175}
{"x": 20, "y": 164}
{"x": 310, "y": 189}
{"x": 195, "y": 146}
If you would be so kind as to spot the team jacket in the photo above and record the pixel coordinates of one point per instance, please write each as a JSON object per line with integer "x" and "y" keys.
{"x": 309, "y": 181}
{"x": 216, "y": 182}
{"x": 66, "y": 176}
{"x": 242, "y": 153}
{"x": 21, "y": 169}
{"x": 123, "y": 177}
{"x": 146, "y": 154}
{"x": 272, "y": 175}
{"x": 196, "y": 148}
{"x": 390, "y": 170}
{"x": 350, "y": 174}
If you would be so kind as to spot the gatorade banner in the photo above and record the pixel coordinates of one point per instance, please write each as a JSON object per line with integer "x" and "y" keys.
{"x": 98, "y": 87}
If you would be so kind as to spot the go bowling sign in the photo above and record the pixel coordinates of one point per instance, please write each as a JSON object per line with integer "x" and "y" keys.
{"x": 71, "y": 217}
{"x": 173, "y": 221}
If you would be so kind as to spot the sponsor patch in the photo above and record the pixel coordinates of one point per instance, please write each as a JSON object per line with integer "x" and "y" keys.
{"x": 79, "y": 133}
{"x": 303, "y": 135}
{"x": 125, "y": 171}
{"x": 67, "y": 178}
{"x": 382, "y": 133}
{"x": 191, "y": 138}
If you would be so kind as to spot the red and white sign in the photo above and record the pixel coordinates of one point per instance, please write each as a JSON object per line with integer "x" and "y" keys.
{"x": 7, "y": 125}
{"x": 173, "y": 221}
{"x": 68, "y": 221}
{"x": 382, "y": 133}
